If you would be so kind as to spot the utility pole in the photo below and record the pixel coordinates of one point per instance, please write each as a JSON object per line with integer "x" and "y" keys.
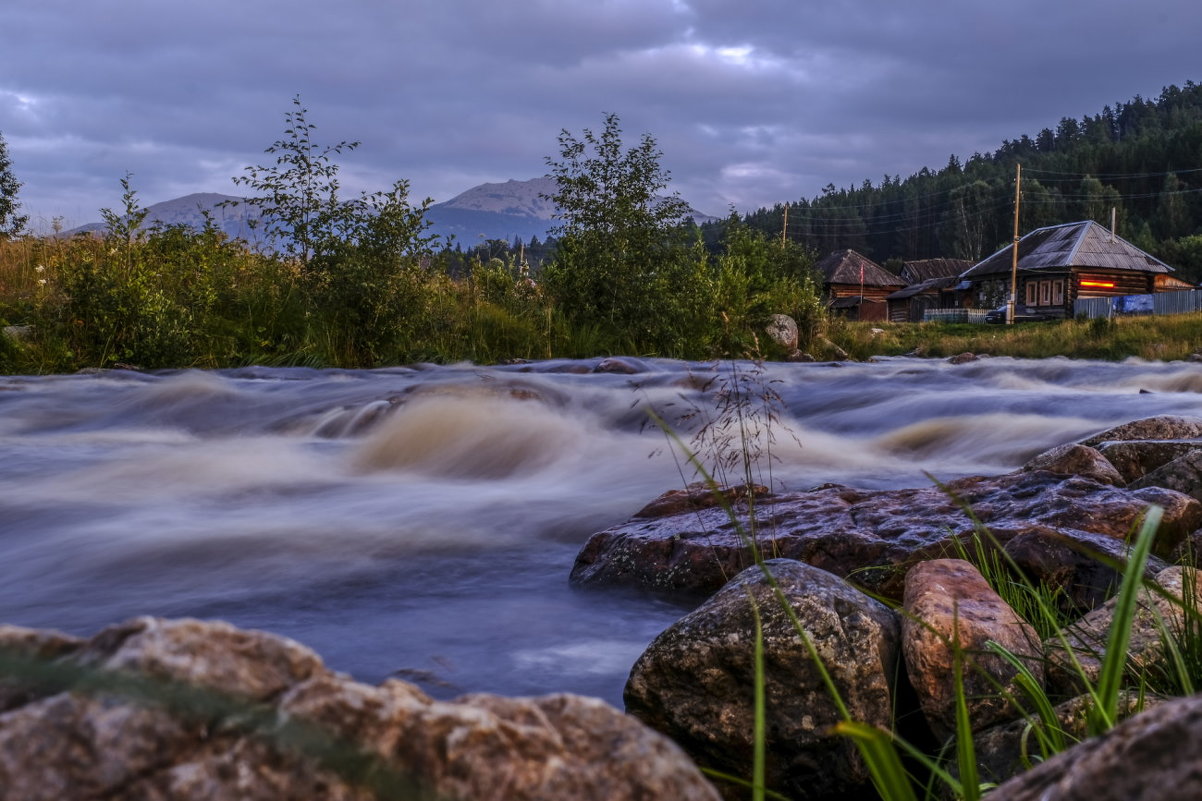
{"x": 784, "y": 229}
{"x": 1018, "y": 184}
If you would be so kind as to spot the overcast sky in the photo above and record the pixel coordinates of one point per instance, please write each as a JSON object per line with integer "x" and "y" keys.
{"x": 753, "y": 102}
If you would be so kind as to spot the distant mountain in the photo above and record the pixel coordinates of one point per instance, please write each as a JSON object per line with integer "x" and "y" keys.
{"x": 514, "y": 209}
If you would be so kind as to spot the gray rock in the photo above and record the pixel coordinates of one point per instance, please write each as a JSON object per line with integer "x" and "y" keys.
{"x": 187, "y": 710}
{"x": 948, "y": 607}
{"x": 695, "y": 682}
{"x": 1151, "y": 757}
{"x": 1072, "y": 459}
{"x": 1166, "y": 426}
{"x": 782, "y": 329}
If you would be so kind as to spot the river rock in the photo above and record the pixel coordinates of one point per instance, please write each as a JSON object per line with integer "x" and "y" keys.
{"x": 1088, "y": 636}
{"x": 963, "y": 358}
{"x": 1183, "y": 474}
{"x": 699, "y": 495}
{"x": 1151, "y": 757}
{"x": 620, "y": 365}
{"x": 782, "y": 329}
{"x": 181, "y": 710}
{"x": 1079, "y": 568}
{"x": 877, "y": 534}
{"x": 1136, "y": 458}
{"x": 1072, "y": 459}
{"x": 949, "y": 606}
{"x": 1165, "y": 426}
{"x": 695, "y": 681}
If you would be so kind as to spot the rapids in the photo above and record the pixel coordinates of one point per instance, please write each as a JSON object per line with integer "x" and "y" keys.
{"x": 421, "y": 521}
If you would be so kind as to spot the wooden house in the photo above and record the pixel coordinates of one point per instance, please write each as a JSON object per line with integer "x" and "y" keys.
{"x": 856, "y": 286}
{"x": 930, "y": 284}
{"x": 1060, "y": 263}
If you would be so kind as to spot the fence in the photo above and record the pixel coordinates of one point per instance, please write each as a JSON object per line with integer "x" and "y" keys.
{"x": 954, "y": 315}
{"x": 1182, "y": 302}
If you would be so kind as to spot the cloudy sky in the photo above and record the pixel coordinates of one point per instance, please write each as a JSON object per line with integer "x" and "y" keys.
{"x": 752, "y": 101}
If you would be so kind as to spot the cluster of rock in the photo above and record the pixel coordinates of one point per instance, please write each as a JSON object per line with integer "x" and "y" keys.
{"x": 1051, "y": 518}
{"x": 183, "y": 709}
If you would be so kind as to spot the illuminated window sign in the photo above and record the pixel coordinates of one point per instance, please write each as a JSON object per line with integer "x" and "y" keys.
{"x": 1103, "y": 284}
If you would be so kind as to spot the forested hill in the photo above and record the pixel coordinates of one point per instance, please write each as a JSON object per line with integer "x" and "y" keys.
{"x": 1142, "y": 157}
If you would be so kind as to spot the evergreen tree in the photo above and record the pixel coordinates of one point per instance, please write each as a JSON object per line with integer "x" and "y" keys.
{"x": 11, "y": 223}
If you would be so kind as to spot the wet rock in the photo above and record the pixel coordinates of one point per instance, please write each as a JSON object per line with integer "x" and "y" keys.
{"x": 876, "y": 534}
{"x": 782, "y": 329}
{"x": 1183, "y": 474}
{"x": 1072, "y": 459}
{"x": 695, "y": 681}
{"x": 798, "y": 356}
{"x": 1166, "y": 426}
{"x": 1088, "y": 636}
{"x": 1151, "y": 757}
{"x": 1078, "y": 567}
{"x": 950, "y": 606}
{"x": 181, "y": 710}
{"x": 963, "y": 358}
{"x": 699, "y": 495}
{"x": 1136, "y": 458}
{"x": 1008, "y": 749}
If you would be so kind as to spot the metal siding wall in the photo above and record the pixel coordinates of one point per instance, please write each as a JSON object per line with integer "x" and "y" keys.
{"x": 1162, "y": 303}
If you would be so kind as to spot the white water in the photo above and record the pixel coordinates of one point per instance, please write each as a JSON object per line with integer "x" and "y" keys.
{"x": 424, "y": 520}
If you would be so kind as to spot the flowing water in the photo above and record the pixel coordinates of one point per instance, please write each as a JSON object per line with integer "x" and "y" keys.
{"x": 421, "y": 522}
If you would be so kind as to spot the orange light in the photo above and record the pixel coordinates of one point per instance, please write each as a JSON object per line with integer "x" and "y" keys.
{"x": 1106, "y": 284}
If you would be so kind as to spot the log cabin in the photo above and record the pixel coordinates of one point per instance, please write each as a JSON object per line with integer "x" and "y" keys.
{"x": 930, "y": 284}
{"x": 856, "y": 286}
{"x": 1060, "y": 263}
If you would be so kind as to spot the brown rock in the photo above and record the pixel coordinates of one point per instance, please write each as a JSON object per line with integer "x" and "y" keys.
{"x": 963, "y": 358}
{"x": 1072, "y": 459}
{"x": 620, "y": 365}
{"x": 699, "y": 495}
{"x": 1161, "y": 427}
{"x": 186, "y": 710}
{"x": 950, "y": 606}
{"x": 877, "y": 534}
{"x": 1183, "y": 474}
{"x": 1135, "y": 459}
{"x": 1151, "y": 757}
{"x": 695, "y": 682}
{"x": 1088, "y": 636}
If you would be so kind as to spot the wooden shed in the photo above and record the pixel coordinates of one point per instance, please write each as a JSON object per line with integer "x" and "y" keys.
{"x": 1060, "y": 263}
{"x": 856, "y": 286}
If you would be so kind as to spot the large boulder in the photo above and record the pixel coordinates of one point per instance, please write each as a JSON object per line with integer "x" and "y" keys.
{"x": 1072, "y": 459}
{"x": 875, "y": 534}
{"x": 695, "y": 681}
{"x": 1183, "y": 474}
{"x": 182, "y": 710}
{"x": 782, "y": 329}
{"x": 1151, "y": 757}
{"x": 1135, "y": 459}
{"x": 951, "y": 614}
{"x": 1161, "y": 427}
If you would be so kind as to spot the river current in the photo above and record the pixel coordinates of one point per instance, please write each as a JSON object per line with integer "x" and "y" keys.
{"x": 421, "y": 522}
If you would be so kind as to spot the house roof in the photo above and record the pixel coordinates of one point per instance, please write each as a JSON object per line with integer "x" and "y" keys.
{"x": 1081, "y": 244}
{"x": 915, "y": 272}
{"x": 845, "y": 266}
{"x": 930, "y": 286}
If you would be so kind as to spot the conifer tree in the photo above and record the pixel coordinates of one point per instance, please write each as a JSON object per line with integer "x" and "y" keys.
{"x": 11, "y": 223}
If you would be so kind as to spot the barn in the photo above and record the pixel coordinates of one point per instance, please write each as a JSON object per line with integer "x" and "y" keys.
{"x": 856, "y": 286}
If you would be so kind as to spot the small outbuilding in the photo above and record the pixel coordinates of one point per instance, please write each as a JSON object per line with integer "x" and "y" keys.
{"x": 856, "y": 286}
{"x": 1060, "y": 263}
{"x": 930, "y": 284}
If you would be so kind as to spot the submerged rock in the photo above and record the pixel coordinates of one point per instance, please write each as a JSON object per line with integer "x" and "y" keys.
{"x": 875, "y": 535}
{"x": 694, "y": 682}
{"x": 184, "y": 709}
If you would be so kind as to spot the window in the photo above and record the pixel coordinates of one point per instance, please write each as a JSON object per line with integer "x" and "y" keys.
{"x": 1058, "y": 292}
{"x": 1045, "y": 293}
{"x": 1032, "y": 296}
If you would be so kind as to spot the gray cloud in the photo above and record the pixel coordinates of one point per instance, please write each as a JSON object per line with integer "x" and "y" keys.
{"x": 751, "y": 102}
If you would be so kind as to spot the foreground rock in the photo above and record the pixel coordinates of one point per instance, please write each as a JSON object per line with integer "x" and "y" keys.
{"x": 158, "y": 709}
{"x": 876, "y": 534}
{"x": 695, "y": 682}
{"x": 950, "y": 606}
{"x": 1151, "y": 757}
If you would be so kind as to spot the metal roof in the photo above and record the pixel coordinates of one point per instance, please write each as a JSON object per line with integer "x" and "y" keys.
{"x": 845, "y": 266}
{"x": 1081, "y": 244}
{"x": 921, "y": 270}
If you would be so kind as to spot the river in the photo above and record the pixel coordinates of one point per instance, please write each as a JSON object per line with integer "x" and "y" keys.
{"x": 421, "y": 521}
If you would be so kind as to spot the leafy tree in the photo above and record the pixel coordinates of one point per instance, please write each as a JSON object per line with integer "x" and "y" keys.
{"x": 11, "y": 224}
{"x": 623, "y": 263}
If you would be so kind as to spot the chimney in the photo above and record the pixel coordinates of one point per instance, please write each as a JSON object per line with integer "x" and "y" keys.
{"x": 1113, "y": 221}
